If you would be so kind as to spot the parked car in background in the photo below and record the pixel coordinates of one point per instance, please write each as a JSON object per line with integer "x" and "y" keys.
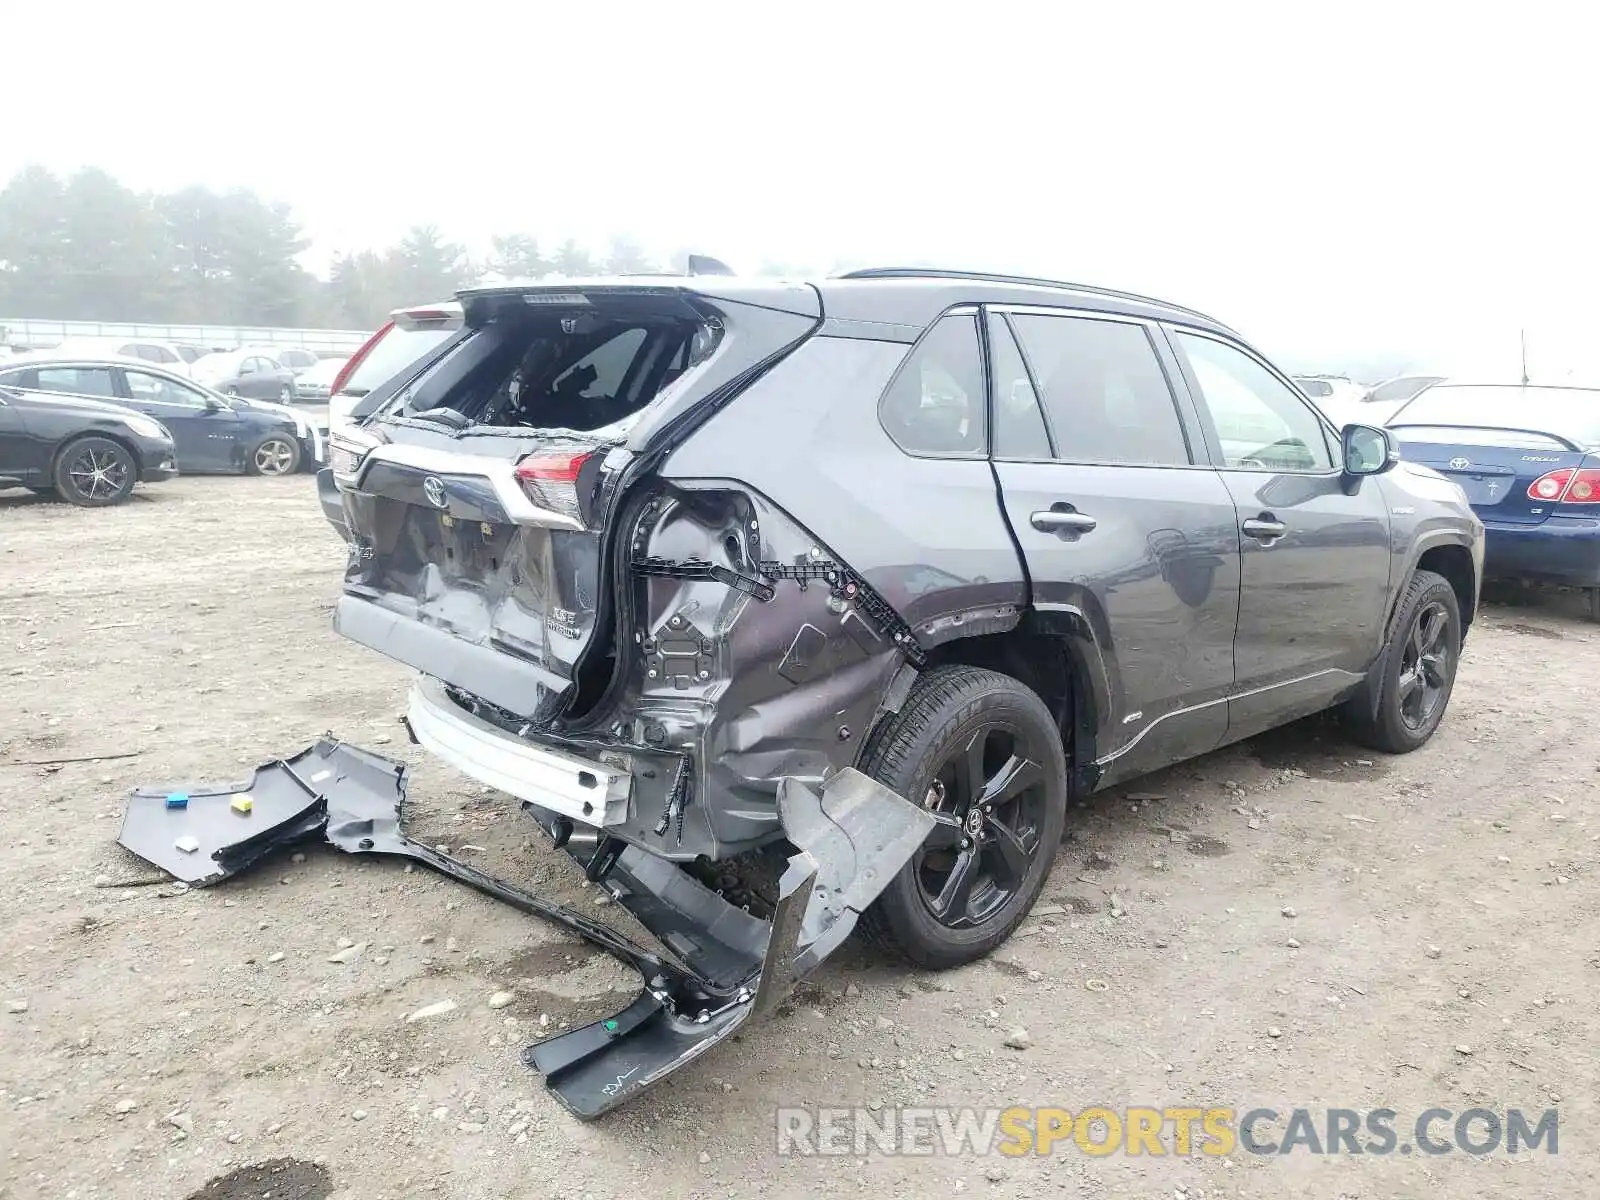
{"x": 1396, "y": 391}
{"x": 250, "y": 373}
{"x": 86, "y": 451}
{"x": 297, "y": 358}
{"x": 212, "y": 433}
{"x": 1337, "y": 396}
{"x": 176, "y": 357}
{"x": 407, "y": 336}
{"x": 585, "y": 520}
{"x": 1528, "y": 459}
{"x": 316, "y": 382}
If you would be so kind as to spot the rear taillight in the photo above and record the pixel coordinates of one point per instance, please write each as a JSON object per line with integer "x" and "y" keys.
{"x": 1567, "y": 486}
{"x": 1584, "y": 488}
{"x": 1550, "y": 485}
{"x": 551, "y": 481}
{"x": 347, "y": 450}
{"x": 349, "y": 368}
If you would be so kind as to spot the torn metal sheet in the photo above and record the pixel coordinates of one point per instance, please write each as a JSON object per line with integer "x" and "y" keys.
{"x": 724, "y": 966}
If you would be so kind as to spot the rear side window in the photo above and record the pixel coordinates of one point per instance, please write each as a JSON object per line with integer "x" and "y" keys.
{"x": 1104, "y": 391}
{"x": 1317, "y": 389}
{"x": 77, "y": 381}
{"x": 935, "y": 404}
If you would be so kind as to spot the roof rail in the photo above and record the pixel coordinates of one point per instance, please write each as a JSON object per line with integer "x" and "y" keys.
{"x": 1026, "y": 280}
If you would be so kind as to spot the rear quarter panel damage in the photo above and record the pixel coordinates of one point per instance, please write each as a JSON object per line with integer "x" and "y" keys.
{"x": 753, "y": 690}
{"x": 797, "y": 469}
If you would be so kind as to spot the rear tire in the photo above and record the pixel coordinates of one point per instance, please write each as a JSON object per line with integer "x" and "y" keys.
{"x": 275, "y": 454}
{"x": 1419, "y": 669}
{"x": 94, "y": 472}
{"x": 1594, "y": 604}
{"x": 982, "y": 751}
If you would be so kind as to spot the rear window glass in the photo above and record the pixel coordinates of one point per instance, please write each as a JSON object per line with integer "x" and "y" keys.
{"x": 394, "y": 352}
{"x": 1570, "y": 413}
{"x": 1403, "y": 388}
{"x": 552, "y": 372}
{"x": 1504, "y": 438}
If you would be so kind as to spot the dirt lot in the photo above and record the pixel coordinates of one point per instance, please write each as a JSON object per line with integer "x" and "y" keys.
{"x": 1284, "y": 923}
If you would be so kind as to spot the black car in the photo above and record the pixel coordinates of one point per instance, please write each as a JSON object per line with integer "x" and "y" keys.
{"x": 884, "y": 568}
{"x": 87, "y": 452}
{"x": 213, "y": 433}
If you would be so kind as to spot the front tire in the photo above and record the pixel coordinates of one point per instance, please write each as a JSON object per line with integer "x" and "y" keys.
{"x": 982, "y": 752}
{"x": 94, "y": 472}
{"x": 1419, "y": 669}
{"x": 275, "y": 454}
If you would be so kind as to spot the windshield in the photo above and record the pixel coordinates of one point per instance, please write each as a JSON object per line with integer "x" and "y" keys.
{"x": 392, "y": 353}
{"x": 1569, "y": 413}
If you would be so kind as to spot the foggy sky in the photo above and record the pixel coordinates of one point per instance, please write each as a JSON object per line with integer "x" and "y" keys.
{"x": 1416, "y": 183}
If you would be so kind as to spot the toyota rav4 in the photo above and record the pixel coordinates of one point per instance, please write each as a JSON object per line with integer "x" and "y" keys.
{"x": 954, "y": 548}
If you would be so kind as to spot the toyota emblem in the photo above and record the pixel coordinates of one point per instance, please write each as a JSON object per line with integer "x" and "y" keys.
{"x": 1456, "y": 464}
{"x": 433, "y": 489}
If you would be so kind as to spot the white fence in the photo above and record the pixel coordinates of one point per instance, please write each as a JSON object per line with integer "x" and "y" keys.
{"x": 22, "y": 332}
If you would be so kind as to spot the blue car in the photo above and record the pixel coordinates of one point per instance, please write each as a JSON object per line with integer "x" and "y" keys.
{"x": 1528, "y": 459}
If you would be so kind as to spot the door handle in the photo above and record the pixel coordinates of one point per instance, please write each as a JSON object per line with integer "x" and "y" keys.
{"x": 1264, "y": 528}
{"x": 1063, "y": 520}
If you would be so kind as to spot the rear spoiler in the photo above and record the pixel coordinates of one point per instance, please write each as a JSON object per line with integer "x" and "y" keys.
{"x": 667, "y": 296}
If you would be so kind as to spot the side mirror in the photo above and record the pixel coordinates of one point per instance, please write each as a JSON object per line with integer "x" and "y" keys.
{"x": 214, "y": 405}
{"x": 1368, "y": 450}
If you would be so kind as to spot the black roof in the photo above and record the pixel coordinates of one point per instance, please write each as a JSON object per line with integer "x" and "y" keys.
{"x": 907, "y": 297}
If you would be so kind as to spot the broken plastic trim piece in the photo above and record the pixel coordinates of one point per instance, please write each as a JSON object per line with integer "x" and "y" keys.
{"x": 851, "y": 841}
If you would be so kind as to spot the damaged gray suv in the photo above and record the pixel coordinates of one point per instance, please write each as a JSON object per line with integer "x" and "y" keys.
{"x": 883, "y": 569}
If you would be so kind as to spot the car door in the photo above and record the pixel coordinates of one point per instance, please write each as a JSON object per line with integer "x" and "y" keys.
{"x": 261, "y": 381}
{"x": 1125, "y": 528}
{"x": 1316, "y": 554}
{"x": 205, "y": 437}
{"x": 17, "y": 453}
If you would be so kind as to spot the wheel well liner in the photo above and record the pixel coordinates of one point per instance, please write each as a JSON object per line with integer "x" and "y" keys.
{"x": 1055, "y": 667}
{"x": 1454, "y": 563}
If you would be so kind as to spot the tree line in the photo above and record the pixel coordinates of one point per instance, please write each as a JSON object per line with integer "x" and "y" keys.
{"x": 87, "y": 248}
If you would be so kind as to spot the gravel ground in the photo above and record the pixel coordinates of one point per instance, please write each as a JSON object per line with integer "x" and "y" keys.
{"x": 1288, "y": 922}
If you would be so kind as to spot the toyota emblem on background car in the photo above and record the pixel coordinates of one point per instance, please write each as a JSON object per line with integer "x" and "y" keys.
{"x": 1456, "y": 464}
{"x": 433, "y": 489}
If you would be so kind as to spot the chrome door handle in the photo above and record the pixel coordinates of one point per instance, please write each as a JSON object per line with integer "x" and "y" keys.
{"x": 1263, "y": 529}
{"x": 1056, "y": 521}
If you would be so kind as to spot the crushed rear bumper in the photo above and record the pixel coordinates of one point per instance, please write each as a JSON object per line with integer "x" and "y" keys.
{"x": 719, "y": 966}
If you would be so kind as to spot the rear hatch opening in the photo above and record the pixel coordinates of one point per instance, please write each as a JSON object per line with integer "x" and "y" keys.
{"x": 476, "y": 504}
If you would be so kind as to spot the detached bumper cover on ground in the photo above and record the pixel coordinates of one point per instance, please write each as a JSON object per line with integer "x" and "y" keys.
{"x": 724, "y": 966}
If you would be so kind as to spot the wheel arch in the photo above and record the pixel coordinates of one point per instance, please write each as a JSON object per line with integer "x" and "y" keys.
{"x": 1447, "y": 556}
{"x": 109, "y": 435}
{"x": 1453, "y": 561}
{"x": 1062, "y": 659}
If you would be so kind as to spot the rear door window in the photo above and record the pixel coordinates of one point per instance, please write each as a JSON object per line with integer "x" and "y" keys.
{"x": 77, "y": 381}
{"x": 935, "y": 404}
{"x": 1019, "y": 429}
{"x": 1105, "y": 395}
